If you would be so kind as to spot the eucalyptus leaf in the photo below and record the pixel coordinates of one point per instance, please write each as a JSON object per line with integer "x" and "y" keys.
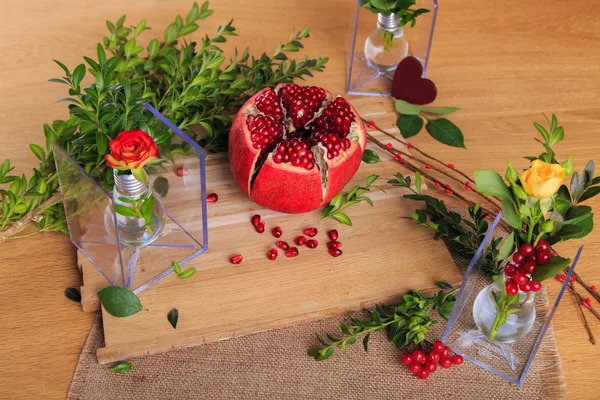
{"x": 370, "y": 157}
{"x": 409, "y": 125}
{"x": 73, "y": 294}
{"x": 173, "y": 316}
{"x": 119, "y": 302}
{"x": 444, "y": 131}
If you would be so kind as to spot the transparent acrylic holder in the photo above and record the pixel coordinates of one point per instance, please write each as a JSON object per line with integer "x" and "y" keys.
{"x": 510, "y": 361}
{"x": 92, "y": 220}
{"x": 362, "y": 79}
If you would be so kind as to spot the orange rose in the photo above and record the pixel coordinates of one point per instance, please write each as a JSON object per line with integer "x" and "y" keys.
{"x": 131, "y": 150}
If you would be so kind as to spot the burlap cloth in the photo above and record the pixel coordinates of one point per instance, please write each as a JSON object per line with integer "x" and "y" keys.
{"x": 274, "y": 365}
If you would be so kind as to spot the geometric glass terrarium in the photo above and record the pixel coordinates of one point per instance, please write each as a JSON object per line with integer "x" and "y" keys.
{"x": 377, "y": 45}
{"x": 508, "y": 359}
{"x": 121, "y": 252}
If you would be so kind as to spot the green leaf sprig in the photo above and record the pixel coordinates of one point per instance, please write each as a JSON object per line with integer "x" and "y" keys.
{"x": 341, "y": 201}
{"x": 405, "y": 323}
{"x": 183, "y": 274}
{"x": 192, "y": 83}
{"x": 410, "y": 122}
{"x": 400, "y": 7}
{"x": 121, "y": 368}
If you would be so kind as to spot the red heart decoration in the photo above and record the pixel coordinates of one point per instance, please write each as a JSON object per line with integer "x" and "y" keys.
{"x": 408, "y": 85}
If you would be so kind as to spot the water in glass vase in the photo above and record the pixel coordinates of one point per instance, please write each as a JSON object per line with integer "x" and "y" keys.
{"x": 518, "y": 322}
{"x": 140, "y": 214}
{"x": 386, "y": 46}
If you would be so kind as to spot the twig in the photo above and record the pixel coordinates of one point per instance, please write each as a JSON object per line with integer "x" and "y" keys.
{"x": 30, "y": 216}
{"x": 580, "y": 299}
{"x": 594, "y": 294}
{"x": 580, "y": 307}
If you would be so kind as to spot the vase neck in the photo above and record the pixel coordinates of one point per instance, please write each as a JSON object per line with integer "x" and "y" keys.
{"x": 127, "y": 185}
{"x": 388, "y": 22}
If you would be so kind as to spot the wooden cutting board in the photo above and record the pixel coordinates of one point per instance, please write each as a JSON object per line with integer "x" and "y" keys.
{"x": 385, "y": 255}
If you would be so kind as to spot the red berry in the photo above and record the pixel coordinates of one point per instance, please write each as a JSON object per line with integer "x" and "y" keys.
{"x": 593, "y": 287}
{"x": 532, "y": 258}
{"x": 260, "y": 228}
{"x": 333, "y": 235}
{"x": 512, "y": 289}
{"x": 431, "y": 367}
{"x": 434, "y": 356}
{"x": 414, "y": 367}
{"x": 542, "y": 247}
{"x": 535, "y": 286}
{"x": 272, "y": 254}
{"x": 335, "y": 252}
{"x": 457, "y": 359}
{"x": 446, "y": 352}
{"x": 406, "y": 359}
{"x": 419, "y": 356}
{"x": 255, "y": 220}
{"x": 300, "y": 240}
{"x": 529, "y": 267}
{"x": 212, "y": 198}
{"x": 282, "y": 245}
{"x": 438, "y": 346}
{"x": 291, "y": 252}
{"x": 423, "y": 374}
{"x": 181, "y": 171}
{"x": 510, "y": 270}
{"x": 573, "y": 278}
{"x": 445, "y": 362}
{"x": 311, "y": 232}
{"x": 520, "y": 278}
{"x": 526, "y": 250}
{"x": 561, "y": 277}
{"x": 543, "y": 258}
{"x": 312, "y": 243}
{"x": 236, "y": 259}
{"x": 525, "y": 287}
{"x": 518, "y": 258}
{"x": 276, "y": 232}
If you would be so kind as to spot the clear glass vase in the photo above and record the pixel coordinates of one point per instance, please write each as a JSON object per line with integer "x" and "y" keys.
{"x": 140, "y": 215}
{"x": 387, "y": 45}
{"x": 519, "y": 321}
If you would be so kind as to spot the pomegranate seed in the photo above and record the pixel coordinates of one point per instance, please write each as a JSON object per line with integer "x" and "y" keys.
{"x": 212, "y": 198}
{"x": 282, "y": 245}
{"x": 336, "y": 118}
{"x": 334, "y": 244}
{"x": 270, "y": 104}
{"x": 333, "y": 234}
{"x": 296, "y": 152}
{"x": 255, "y": 220}
{"x": 428, "y": 166}
{"x": 291, "y": 252}
{"x": 561, "y": 277}
{"x": 389, "y": 145}
{"x": 335, "y": 252}
{"x": 260, "y": 228}
{"x": 311, "y": 232}
{"x": 593, "y": 287}
{"x": 272, "y": 254}
{"x": 451, "y": 166}
{"x": 180, "y": 171}
{"x": 264, "y": 130}
{"x": 300, "y": 240}
{"x": 302, "y": 102}
{"x": 236, "y": 259}
{"x": 586, "y": 302}
{"x": 312, "y": 244}
{"x": 276, "y": 232}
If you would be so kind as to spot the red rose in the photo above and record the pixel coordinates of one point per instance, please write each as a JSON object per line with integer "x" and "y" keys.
{"x": 131, "y": 150}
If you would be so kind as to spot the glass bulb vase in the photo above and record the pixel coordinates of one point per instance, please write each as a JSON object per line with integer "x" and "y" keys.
{"x": 387, "y": 45}
{"x": 140, "y": 215}
{"x": 503, "y": 326}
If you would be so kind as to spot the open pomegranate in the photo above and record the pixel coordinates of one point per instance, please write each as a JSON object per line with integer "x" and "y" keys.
{"x": 293, "y": 148}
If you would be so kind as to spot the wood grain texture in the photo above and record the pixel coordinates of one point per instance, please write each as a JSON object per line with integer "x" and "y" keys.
{"x": 503, "y": 63}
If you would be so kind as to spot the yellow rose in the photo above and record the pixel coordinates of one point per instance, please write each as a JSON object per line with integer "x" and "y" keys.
{"x": 542, "y": 180}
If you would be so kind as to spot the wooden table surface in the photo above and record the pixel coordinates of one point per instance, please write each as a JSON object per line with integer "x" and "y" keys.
{"x": 503, "y": 63}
